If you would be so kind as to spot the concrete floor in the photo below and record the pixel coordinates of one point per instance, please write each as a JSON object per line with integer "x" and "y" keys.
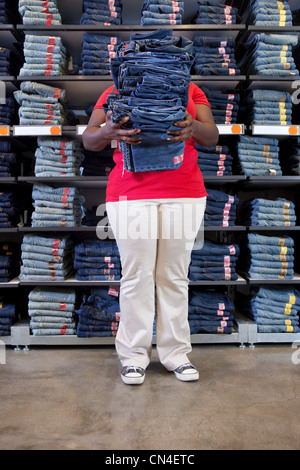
{"x": 73, "y": 399}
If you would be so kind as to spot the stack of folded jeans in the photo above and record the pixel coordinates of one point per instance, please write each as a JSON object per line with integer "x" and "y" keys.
{"x": 267, "y": 212}
{"x": 7, "y": 316}
{"x": 9, "y": 13}
{"x": 97, "y": 260}
{"x": 39, "y": 12}
{"x": 56, "y": 207}
{"x": 44, "y": 55}
{"x": 108, "y": 12}
{"x": 273, "y": 309}
{"x": 271, "y": 13}
{"x": 41, "y": 104}
{"x": 152, "y": 77}
{"x": 9, "y": 261}
{"x": 216, "y": 12}
{"x": 46, "y": 258}
{"x": 11, "y": 207}
{"x": 290, "y": 157}
{"x": 220, "y": 208}
{"x": 52, "y": 311}
{"x": 214, "y": 262}
{"x": 214, "y": 56}
{"x": 267, "y": 257}
{"x": 57, "y": 157}
{"x": 99, "y": 313}
{"x": 267, "y": 107}
{"x": 98, "y": 163}
{"x": 97, "y": 51}
{"x": 8, "y": 112}
{"x": 164, "y": 12}
{"x": 10, "y": 62}
{"x": 8, "y": 159}
{"x": 224, "y": 106}
{"x": 214, "y": 160}
{"x": 269, "y": 54}
{"x": 210, "y": 312}
{"x": 258, "y": 156}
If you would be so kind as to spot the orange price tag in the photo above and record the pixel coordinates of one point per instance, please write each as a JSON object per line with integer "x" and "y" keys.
{"x": 4, "y": 130}
{"x": 293, "y": 130}
{"x": 236, "y": 129}
{"x": 55, "y": 130}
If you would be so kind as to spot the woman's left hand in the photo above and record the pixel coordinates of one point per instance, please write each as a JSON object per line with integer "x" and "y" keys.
{"x": 186, "y": 131}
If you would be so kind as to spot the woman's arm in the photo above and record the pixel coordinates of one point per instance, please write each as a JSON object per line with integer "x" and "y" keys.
{"x": 100, "y": 131}
{"x": 202, "y": 129}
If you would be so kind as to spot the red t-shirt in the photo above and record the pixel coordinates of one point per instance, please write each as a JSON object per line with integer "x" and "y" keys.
{"x": 186, "y": 181}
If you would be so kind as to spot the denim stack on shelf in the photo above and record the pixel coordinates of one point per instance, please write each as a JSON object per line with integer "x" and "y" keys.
{"x": 108, "y": 12}
{"x": 8, "y": 159}
{"x": 152, "y": 76}
{"x": 44, "y": 55}
{"x": 220, "y": 208}
{"x": 7, "y": 316}
{"x": 269, "y": 54}
{"x": 10, "y": 61}
{"x": 214, "y": 56}
{"x": 56, "y": 207}
{"x": 9, "y": 261}
{"x": 266, "y": 212}
{"x": 290, "y": 157}
{"x": 214, "y": 160}
{"x": 41, "y": 104}
{"x": 97, "y": 260}
{"x": 267, "y": 257}
{"x": 8, "y": 112}
{"x": 99, "y": 313}
{"x": 98, "y": 163}
{"x": 156, "y": 12}
{"x": 273, "y": 309}
{"x": 214, "y": 262}
{"x": 45, "y": 13}
{"x": 216, "y": 12}
{"x": 210, "y": 312}
{"x": 267, "y": 107}
{"x": 52, "y": 311}
{"x": 58, "y": 157}
{"x": 9, "y": 13}
{"x": 46, "y": 258}
{"x": 258, "y": 156}
{"x": 224, "y": 106}
{"x": 271, "y": 13}
{"x": 11, "y": 207}
{"x": 97, "y": 51}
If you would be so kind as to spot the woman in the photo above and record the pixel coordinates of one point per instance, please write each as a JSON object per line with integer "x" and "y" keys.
{"x": 145, "y": 210}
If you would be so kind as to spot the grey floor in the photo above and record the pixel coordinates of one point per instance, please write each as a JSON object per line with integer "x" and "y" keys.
{"x": 73, "y": 399}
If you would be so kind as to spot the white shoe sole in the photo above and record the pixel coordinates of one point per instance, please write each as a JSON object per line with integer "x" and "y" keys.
{"x": 187, "y": 377}
{"x": 132, "y": 380}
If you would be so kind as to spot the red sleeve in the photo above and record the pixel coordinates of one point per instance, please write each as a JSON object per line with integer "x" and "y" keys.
{"x": 102, "y": 100}
{"x": 198, "y": 96}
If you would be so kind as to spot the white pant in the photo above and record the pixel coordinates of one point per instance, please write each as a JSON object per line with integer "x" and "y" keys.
{"x": 155, "y": 238}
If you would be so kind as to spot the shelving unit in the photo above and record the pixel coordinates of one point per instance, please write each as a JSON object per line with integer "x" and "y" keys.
{"x": 81, "y": 90}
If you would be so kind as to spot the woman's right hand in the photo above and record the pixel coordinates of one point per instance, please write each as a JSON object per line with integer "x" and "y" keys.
{"x": 114, "y": 131}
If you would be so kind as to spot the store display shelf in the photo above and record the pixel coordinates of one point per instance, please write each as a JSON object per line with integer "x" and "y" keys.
{"x": 294, "y": 280}
{"x": 273, "y": 29}
{"x": 8, "y": 180}
{"x": 272, "y": 181}
{"x": 254, "y": 337}
{"x": 11, "y": 284}
{"x": 129, "y": 27}
{"x": 272, "y": 78}
{"x": 274, "y": 228}
{"x": 77, "y": 181}
{"x": 276, "y": 130}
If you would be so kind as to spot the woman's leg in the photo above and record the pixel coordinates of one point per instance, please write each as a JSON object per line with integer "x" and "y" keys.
{"x": 180, "y": 221}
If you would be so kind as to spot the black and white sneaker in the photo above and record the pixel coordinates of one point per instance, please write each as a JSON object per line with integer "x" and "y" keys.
{"x": 133, "y": 375}
{"x": 186, "y": 372}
